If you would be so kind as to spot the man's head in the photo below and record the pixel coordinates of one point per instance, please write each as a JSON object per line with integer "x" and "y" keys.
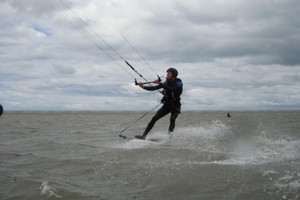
{"x": 172, "y": 73}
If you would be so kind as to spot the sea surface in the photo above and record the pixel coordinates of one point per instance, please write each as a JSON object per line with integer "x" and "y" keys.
{"x": 79, "y": 155}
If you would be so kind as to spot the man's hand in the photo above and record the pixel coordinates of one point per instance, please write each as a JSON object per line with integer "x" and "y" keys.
{"x": 141, "y": 84}
{"x": 156, "y": 81}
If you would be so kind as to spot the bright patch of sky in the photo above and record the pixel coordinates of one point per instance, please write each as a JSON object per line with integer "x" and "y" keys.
{"x": 45, "y": 31}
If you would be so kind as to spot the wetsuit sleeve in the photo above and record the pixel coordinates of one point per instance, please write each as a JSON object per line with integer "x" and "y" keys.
{"x": 151, "y": 88}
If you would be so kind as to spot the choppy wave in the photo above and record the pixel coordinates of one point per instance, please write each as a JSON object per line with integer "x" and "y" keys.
{"x": 216, "y": 137}
{"x": 200, "y": 137}
{"x": 71, "y": 156}
{"x": 48, "y": 191}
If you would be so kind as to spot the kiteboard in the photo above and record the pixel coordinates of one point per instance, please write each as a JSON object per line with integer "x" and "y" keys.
{"x": 147, "y": 139}
{"x": 126, "y": 137}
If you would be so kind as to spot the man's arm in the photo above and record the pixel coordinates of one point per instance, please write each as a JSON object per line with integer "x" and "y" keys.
{"x": 152, "y": 88}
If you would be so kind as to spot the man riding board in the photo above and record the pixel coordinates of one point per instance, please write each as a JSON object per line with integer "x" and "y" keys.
{"x": 172, "y": 89}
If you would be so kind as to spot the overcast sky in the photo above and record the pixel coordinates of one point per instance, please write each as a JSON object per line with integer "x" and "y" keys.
{"x": 230, "y": 54}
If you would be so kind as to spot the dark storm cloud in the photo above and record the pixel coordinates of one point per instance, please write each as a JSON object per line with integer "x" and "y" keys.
{"x": 265, "y": 32}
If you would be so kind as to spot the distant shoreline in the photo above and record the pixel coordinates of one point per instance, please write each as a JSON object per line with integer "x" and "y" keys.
{"x": 122, "y": 111}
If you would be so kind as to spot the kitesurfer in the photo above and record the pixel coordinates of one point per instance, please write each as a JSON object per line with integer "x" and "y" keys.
{"x": 228, "y": 114}
{"x": 1, "y": 109}
{"x": 172, "y": 89}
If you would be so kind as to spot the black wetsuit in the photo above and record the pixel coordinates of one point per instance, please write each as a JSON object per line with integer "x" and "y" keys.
{"x": 172, "y": 89}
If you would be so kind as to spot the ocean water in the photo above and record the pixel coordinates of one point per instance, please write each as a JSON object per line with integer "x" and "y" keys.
{"x": 78, "y": 155}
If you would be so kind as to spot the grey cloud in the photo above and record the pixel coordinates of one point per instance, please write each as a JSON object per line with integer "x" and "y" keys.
{"x": 199, "y": 31}
{"x": 230, "y": 54}
{"x": 31, "y": 6}
{"x": 64, "y": 69}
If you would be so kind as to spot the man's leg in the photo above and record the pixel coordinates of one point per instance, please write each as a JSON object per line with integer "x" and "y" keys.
{"x": 173, "y": 117}
{"x": 163, "y": 111}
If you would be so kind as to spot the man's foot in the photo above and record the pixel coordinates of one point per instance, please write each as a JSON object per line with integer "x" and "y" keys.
{"x": 140, "y": 137}
{"x": 171, "y": 128}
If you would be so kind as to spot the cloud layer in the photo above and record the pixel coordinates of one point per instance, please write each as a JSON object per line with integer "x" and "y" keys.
{"x": 233, "y": 54}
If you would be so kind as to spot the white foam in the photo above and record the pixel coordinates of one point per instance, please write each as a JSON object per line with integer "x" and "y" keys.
{"x": 137, "y": 144}
{"x": 202, "y": 137}
{"x": 262, "y": 150}
{"x": 48, "y": 191}
{"x": 270, "y": 173}
{"x": 159, "y": 137}
{"x": 288, "y": 184}
{"x": 295, "y": 184}
{"x": 253, "y": 150}
{"x": 216, "y": 137}
{"x": 277, "y": 149}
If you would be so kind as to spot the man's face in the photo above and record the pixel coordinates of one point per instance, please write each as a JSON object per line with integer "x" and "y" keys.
{"x": 169, "y": 75}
